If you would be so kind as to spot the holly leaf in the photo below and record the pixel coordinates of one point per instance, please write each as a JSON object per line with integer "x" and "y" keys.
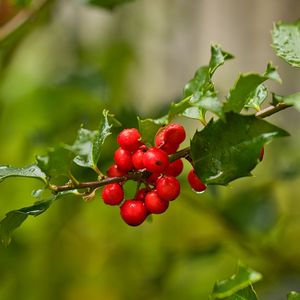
{"x": 293, "y": 296}
{"x": 293, "y": 99}
{"x": 199, "y": 93}
{"x": 106, "y": 3}
{"x": 57, "y": 162}
{"x": 238, "y": 285}
{"x": 257, "y": 97}
{"x": 245, "y": 86}
{"x": 15, "y": 218}
{"x": 247, "y": 293}
{"x": 226, "y": 150}
{"x": 105, "y": 130}
{"x": 286, "y": 42}
{"x": 149, "y": 127}
{"x": 32, "y": 171}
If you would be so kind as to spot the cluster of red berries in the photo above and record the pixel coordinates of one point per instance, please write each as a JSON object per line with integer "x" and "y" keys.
{"x": 160, "y": 183}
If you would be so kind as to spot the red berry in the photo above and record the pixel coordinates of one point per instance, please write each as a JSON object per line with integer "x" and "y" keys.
{"x": 261, "y": 154}
{"x": 153, "y": 178}
{"x": 133, "y": 212}
{"x": 168, "y": 188}
{"x": 161, "y": 143}
{"x": 155, "y": 160}
{"x": 174, "y": 134}
{"x": 155, "y": 204}
{"x": 113, "y": 171}
{"x": 141, "y": 194}
{"x": 195, "y": 182}
{"x": 137, "y": 158}
{"x": 112, "y": 194}
{"x": 174, "y": 168}
{"x": 129, "y": 139}
{"x": 123, "y": 160}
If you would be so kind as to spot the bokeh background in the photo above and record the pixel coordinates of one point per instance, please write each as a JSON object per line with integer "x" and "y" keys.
{"x": 70, "y": 61}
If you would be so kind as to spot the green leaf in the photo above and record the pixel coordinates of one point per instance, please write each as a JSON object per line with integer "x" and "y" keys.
{"x": 106, "y": 3}
{"x": 15, "y": 218}
{"x": 32, "y": 171}
{"x": 286, "y": 41}
{"x": 247, "y": 293}
{"x": 293, "y": 296}
{"x": 239, "y": 282}
{"x": 83, "y": 148}
{"x": 106, "y": 124}
{"x": 245, "y": 86}
{"x": 257, "y": 97}
{"x": 57, "y": 162}
{"x": 199, "y": 93}
{"x": 224, "y": 151}
{"x": 293, "y": 99}
{"x": 149, "y": 127}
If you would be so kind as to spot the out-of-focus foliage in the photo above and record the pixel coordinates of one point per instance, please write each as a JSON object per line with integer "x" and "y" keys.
{"x": 52, "y": 81}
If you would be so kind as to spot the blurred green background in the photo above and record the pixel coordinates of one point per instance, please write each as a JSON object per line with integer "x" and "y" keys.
{"x": 71, "y": 60}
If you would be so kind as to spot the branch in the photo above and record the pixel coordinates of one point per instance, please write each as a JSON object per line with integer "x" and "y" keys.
{"x": 143, "y": 174}
{"x": 270, "y": 110}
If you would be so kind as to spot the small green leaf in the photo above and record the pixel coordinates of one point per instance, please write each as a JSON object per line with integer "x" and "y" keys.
{"x": 32, "y": 171}
{"x": 57, "y": 162}
{"x": 199, "y": 93}
{"x": 224, "y": 151}
{"x": 293, "y": 99}
{"x": 247, "y": 293}
{"x": 293, "y": 296}
{"x": 15, "y": 218}
{"x": 106, "y": 3}
{"x": 286, "y": 41}
{"x": 239, "y": 282}
{"x": 257, "y": 97}
{"x": 149, "y": 127}
{"x": 106, "y": 124}
{"x": 245, "y": 86}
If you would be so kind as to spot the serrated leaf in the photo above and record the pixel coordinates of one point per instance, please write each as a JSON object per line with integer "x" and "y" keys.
{"x": 239, "y": 282}
{"x": 293, "y": 99}
{"x": 224, "y": 151}
{"x": 106, "y": 3}
{"x": 247, "y": 293}
{"x": 293, "y": 295}
{"x": 32, "y": 171}
{"x": 149, "y": 127}
{"x": 257, "y": 97}
{"x": 286, "y": 41}
{"x": 57, "y": 162}
{"x": 246, "y": 85}
{"x": 106, "y": 124}
{"x": 199, "y": 93}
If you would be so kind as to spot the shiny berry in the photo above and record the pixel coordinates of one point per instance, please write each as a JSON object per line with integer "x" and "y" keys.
{"x": 155, "y": 204}
{"x": 195, "y": 182}
{"x": 174, "y": 168}
{"x": 168, "y": 188}
{"x": 155, "y": 160}
{"x": 174, "y": 134}
{"x": 113, "y": 171}
{"x": 141, "y": 194}
{"x": 137, "y": 158}
{"x": 123, "y": 160}
{"x": 112, "y": 194}
{"x": 133, "y": 212}
{"x": 129, "y": 139}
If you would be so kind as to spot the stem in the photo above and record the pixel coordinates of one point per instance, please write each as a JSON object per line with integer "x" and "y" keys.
{"x": 270, "y": 110}
{"x": 143, "y": 174}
